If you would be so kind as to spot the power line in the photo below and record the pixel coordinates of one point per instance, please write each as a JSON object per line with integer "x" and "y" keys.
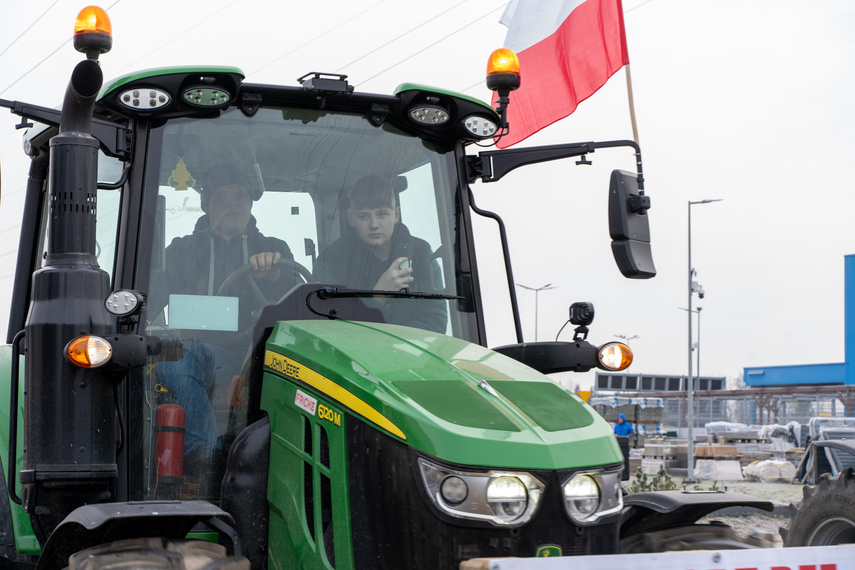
{"x": 637, "y": 6}
{"x": 36, "y": 21}
{"x": 442, "y": 39}
{"x": 174, "y": 38}
{"x": 10, "y": 228}
{"x": 344, "y": 23}
{"x": 393, "y": 40}
{"x": 62, "y": 45}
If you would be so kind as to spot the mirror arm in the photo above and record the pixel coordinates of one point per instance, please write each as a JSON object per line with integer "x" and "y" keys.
{"x": 113, "y": 137}
{"x": 492, "y": 165}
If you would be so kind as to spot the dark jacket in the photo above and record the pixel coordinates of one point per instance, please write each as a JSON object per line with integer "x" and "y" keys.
{"x": 349, "y": 262}
{"x": 198, "y": 264}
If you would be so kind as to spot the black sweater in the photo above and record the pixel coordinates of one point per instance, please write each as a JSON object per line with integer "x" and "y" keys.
{"x": 349, "y": 262}
{"x": 198, "y": 264}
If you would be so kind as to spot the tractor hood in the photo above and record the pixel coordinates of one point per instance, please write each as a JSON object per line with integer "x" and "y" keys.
{"x": 446, "y": 397}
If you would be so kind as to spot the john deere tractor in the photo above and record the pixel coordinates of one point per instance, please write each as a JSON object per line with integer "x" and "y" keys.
{"x": 158, "y": 409}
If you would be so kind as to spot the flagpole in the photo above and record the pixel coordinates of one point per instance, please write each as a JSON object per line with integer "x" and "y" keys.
{"x": 631, "y": 104}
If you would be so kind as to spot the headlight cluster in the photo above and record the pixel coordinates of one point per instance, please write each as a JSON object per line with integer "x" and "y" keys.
{"x": 501, "y": 498}
{"x": 590, "y": 496}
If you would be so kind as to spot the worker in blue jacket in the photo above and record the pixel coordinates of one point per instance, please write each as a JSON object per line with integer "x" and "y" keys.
{"x": 622, "y": 427}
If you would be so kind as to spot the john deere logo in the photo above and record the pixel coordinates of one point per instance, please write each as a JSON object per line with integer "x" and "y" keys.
{"x": 548, "y": 551}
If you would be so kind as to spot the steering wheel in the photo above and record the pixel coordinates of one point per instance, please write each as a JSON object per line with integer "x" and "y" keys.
{"x": 242, "y": 275}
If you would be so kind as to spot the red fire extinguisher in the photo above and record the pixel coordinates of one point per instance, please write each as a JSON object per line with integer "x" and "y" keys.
{"x": 169, "y": 443}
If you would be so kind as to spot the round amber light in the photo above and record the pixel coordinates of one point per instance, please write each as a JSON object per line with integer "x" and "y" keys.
{"x": 93, "y": 19}
{"x": 503, "y": 60}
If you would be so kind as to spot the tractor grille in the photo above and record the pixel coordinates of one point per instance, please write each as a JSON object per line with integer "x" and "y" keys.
{"x": 394, "y": 525}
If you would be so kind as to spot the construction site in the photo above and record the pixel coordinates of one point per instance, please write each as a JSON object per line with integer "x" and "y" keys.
{"x": 758, "y": 433}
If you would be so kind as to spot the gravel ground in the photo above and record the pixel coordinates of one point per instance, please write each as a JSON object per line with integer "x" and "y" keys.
{"x": 780, "y": 494}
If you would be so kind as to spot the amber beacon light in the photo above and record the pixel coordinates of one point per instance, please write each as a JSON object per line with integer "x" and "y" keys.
{"x": 93, "y": 32}
{"x": 503, "y": 70}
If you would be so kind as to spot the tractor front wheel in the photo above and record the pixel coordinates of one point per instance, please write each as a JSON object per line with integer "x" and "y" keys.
{"x": 157, "y": 553}
{"x": 826, "y": 514}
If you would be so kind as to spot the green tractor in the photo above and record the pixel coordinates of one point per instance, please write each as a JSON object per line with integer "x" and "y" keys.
{"x": 305, "y": 385}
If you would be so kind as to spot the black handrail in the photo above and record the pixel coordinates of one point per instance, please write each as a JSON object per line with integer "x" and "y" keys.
{"x": 13, "y": 418}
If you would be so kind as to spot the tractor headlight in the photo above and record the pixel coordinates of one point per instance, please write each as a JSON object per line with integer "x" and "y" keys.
{"x": 453, "y": 489}
{"x": 500, "y": 498}
{"x": 507, "y": 497}
{"x": 581, "y": 496}
{"x": 590, "y": 496}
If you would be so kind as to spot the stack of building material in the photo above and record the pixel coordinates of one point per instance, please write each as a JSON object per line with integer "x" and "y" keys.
{"x": 716, "y": 451}
{"x": 750, "y": 447}
{"x": 659, "y": 453}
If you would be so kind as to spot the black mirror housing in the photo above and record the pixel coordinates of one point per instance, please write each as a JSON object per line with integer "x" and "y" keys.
{"x": 629, "y": 226}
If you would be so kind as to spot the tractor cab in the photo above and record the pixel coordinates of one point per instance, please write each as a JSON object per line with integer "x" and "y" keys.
{"x": 336, "y": 196}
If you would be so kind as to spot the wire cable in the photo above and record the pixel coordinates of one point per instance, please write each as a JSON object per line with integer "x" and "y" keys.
{"x": 440, "y": 40}
{"x": 50, "y": 55}
{"x": 176, "y": 37}
{"x": 393, "y": 40}
{"x": 316, "y": 38}
{"x": 36, "y": 21}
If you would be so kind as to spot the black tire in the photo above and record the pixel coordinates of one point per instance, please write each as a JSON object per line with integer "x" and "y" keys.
{"x": 713, "y": 536}
{"x": 156, "y": 553}
{"x": 826, "y": 514}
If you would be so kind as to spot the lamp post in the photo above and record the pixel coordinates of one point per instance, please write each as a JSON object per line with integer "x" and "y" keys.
{"x": 696, "y": 347}
{"x": 693, "y": 288}
{"x": 536, "y": 290}
{"x": 626, "y": 338}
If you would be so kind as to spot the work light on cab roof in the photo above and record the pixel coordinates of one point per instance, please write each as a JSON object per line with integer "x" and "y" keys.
{"x": 93, "y": 32}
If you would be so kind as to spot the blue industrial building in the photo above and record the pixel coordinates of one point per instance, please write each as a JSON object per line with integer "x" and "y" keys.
{"x": 839, "y": 373}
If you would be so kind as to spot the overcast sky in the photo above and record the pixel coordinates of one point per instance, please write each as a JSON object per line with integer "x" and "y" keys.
{"x": 749, "y": 101}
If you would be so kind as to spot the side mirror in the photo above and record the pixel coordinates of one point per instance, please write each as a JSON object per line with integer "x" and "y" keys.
{"x": 629, "y": 226}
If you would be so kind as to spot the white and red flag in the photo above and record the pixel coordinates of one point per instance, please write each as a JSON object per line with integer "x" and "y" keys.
{"x": 567, "y": 49}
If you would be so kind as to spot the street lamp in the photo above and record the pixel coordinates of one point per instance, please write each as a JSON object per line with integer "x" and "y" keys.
{"x": 696, "y": 346}
{"x": 626, "y": 338}
{"x": 694, "y": 287}
{"x": 536, "y": 290}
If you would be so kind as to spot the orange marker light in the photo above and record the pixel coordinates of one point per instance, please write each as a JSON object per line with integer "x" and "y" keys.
{"x": 89, "y": 351}
{"x": 503, "y": 60}
{"x": 93, "y": 32}
{"x": 615, "y": 356}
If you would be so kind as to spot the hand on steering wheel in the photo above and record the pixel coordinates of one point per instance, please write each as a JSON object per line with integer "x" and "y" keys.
{"x": 245, "y": 275}
{"x": 265, "y": 266}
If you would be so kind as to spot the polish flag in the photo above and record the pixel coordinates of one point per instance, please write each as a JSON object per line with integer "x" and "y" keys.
{"x": 567, "y": 49}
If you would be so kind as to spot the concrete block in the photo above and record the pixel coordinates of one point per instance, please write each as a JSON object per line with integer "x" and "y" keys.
{"x": 718, "y": 469}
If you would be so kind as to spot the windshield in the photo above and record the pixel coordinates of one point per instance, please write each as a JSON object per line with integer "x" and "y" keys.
{"x": 250, "y": 209}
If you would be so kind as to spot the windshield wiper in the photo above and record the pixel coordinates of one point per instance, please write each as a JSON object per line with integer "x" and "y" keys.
{"x": 327, "y": 293}
{"x": 340, "y": 292}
